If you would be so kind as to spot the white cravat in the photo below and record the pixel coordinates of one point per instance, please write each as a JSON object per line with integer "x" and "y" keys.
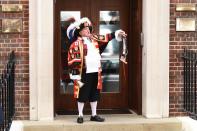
{"x": 93, "y": 58}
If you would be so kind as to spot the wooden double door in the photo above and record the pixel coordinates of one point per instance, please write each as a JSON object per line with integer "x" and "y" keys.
{"x": 122, "y": 82}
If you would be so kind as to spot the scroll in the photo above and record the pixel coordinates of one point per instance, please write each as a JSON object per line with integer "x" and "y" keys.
{"x": 124, "y": 54}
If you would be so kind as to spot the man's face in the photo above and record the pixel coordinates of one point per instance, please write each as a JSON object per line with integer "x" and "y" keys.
{"x": 85, "y": 32}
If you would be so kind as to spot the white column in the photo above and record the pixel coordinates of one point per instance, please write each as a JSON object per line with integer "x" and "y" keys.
{"x": 155, "y": 59}
{"x": 45, "y": 60}
{"x": 33, "y": 60}
{"x": 41, "y": 60}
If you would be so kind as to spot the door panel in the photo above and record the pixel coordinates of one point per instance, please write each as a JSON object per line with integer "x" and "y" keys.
{"x": 106, "y": 16}
{"x": 118, "y": 99}
{"x": 64, "y": 101}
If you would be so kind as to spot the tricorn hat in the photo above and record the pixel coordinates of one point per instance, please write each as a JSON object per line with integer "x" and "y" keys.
{"x": 74, "y": 28}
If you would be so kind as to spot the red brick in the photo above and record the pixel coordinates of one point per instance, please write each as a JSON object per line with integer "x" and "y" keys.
{"x": 19, "y": 43}
{"x": 178, "y": 41}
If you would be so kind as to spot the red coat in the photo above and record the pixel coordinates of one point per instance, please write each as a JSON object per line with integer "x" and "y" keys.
{"x": 74, "y": 58}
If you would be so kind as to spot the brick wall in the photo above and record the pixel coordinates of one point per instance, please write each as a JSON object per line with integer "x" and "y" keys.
{"x": 179, "y": 41}
{"x": 20, "y": 44}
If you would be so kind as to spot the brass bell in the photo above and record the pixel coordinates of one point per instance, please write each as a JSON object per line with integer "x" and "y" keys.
{"x": 80, "y": 84}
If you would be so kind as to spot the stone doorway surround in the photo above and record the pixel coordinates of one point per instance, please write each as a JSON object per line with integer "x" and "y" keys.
{"x": 155, "y": 59}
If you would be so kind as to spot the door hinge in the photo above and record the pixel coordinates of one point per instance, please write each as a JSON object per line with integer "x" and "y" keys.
{"x": 141, "y": 39}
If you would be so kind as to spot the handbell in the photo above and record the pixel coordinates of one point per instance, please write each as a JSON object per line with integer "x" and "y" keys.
{"x": 80, "y": 83}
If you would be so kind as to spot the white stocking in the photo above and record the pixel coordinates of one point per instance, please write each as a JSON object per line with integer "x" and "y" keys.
{"x": 80, "y": 108}
{"x": 93, "y": 107}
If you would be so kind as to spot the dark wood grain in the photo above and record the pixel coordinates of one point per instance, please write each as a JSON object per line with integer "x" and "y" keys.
{"x": 130, "y": 95}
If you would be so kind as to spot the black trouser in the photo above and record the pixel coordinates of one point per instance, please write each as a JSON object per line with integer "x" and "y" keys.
{"x": 89, "y": 91}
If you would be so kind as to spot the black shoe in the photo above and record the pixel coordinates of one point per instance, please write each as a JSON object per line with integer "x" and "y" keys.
{"x": 80, "y": 119}
{"x": 97, "y": 118}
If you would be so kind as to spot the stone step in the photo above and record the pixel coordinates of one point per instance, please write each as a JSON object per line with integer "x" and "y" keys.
{"x": 113, "y": 123}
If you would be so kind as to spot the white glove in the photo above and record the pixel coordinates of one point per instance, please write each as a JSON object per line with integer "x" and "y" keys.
{"x": 119, "y": 34}
{"x": 75, "y": 77}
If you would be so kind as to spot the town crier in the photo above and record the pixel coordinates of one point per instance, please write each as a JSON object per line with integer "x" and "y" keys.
{"x": 84, "y": 61}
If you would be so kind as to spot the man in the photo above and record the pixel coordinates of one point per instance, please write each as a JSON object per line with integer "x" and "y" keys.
{"x": 84, "y": 60}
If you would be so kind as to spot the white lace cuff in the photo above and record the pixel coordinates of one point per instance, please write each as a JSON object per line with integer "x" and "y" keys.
{"x": 117, "y": 36}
